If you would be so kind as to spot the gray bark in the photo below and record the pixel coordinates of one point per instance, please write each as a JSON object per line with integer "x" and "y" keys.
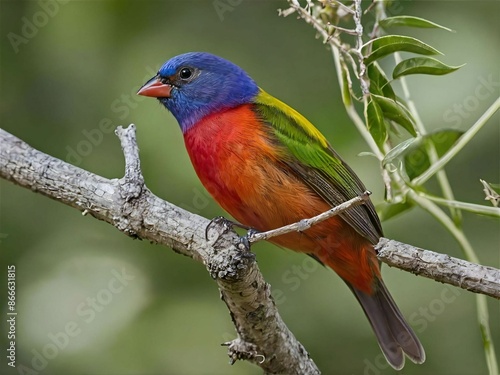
{"x": 440, "y": 267}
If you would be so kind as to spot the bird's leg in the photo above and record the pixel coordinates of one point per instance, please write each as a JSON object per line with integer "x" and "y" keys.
{"x": 246, "y": 240}
{"x": 218, "y": 221}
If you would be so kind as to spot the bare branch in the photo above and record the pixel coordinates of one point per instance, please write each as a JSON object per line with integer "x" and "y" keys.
{"x": 440, "y": 267}
{"x": 305, "y": 224}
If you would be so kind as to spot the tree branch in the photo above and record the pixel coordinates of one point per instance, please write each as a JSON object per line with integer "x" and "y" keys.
{"x": 129, "y": 205}
{"x": 440, "y": 267}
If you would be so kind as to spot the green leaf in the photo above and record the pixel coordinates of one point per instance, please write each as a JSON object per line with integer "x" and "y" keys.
{"x": 443, "y": 139}
{"x": 410, "y": 22}
{"x": 388, "y": 44}
{"x": 495, "y": 187}
{"x": 412, "y": 156}
{"x": 397, "y": 152}
{"x": 346, "y": 93}
{"x": 389, "y": 210}
{"x": 422, "y": 65}
{"x": 396, "y": 112}
{"x": 379, "y": 84}
{"x": 375, "y": 123}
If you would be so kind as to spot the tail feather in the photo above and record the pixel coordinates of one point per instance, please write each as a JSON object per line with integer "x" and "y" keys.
{"x": 394, "y": 335}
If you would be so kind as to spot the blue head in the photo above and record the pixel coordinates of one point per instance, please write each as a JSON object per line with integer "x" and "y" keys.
{"x": 196, "y": 84}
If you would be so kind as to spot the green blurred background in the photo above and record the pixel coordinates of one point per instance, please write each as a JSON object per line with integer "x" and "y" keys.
{"x": 80, "y": 69}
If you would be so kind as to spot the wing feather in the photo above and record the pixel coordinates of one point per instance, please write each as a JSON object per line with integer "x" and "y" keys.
{"x": 309, "y": 156}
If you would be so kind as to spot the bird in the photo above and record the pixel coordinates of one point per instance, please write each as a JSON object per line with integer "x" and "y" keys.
{"x": 268, "y": 166}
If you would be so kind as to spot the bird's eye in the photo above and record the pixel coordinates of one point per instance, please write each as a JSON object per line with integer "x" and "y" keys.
{"x": 185, "y": 73}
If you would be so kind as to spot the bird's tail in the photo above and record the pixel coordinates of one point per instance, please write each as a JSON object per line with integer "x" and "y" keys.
{"x": 394, "y": 335}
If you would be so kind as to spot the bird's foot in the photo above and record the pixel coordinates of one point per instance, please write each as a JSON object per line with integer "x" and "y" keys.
{"x": 226, "y": 224}
{"x": 246, "y": 240}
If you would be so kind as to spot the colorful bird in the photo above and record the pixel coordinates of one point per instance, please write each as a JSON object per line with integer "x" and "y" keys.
{"x": 268, "y": 166}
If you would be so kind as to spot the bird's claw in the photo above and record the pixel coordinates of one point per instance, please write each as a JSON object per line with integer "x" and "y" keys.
{"x": 218, "y": 221}
{"x": 226, "y": 225}
{"x": 246, "y": 240}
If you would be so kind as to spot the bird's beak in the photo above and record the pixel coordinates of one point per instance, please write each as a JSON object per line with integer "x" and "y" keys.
{"x": 155, "y": 88}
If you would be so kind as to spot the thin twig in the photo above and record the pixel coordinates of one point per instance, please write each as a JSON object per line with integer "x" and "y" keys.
{"x": 344, "y": 30}
{"x": 461, "y": 143}
{"x": 465, "y": 206}
{"x": 305, "y": 224}
{"x": 363, "y": 79}
{"x": 341, "y": 5}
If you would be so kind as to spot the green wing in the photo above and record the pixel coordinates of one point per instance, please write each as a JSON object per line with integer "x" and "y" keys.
{"x": 311, "y": 157}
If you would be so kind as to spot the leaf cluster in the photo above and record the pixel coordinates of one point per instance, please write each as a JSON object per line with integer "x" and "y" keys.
{"x": 388, "y": 117}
